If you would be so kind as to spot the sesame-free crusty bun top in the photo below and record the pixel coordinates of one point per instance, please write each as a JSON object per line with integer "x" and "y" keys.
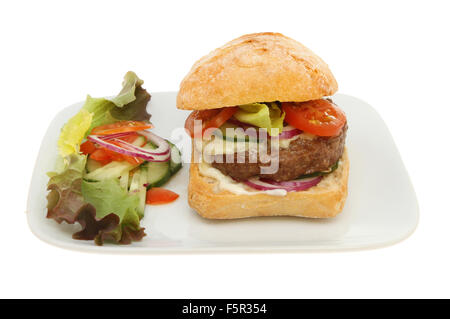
{"x": 259, "y": 67}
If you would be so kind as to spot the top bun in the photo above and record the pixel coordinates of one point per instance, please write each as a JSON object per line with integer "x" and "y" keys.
{"x": 258, "y": 67}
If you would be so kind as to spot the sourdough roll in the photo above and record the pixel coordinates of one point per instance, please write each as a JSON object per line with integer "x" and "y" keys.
{"x": 267, "y": 138}
{"x": 253, "y": 68}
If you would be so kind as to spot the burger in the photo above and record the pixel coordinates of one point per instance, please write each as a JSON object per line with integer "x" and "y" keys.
{"x": 267, "y": 138}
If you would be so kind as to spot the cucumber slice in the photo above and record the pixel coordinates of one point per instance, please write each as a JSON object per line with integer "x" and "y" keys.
{"x": 149, "y": 146}
{"x": 158, "y": 173}
{"x": 175, "y": 159}
{"x": 124, "y": 180}
{"x": 92, "y": 165}
{"x": 322, "y": 173}
{"x": 238, "y": 136}
{"x": 136, "y": 189}
{"x": 111, "y": 170}
{"x": 140, "y": 140}
{"x": 135, "y": 180}
{"x": 142, "y": 190}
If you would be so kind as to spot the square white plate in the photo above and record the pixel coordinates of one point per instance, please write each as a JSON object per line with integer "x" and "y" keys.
{"x": 381, "y": 207}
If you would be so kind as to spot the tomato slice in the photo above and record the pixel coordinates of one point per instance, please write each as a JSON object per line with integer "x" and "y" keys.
{"x": 158, "y": 196}
{"x": 87, "y": 148}
{"x": 101, "y": 155}
{"x": 319, "y": 117}
{"x": 210, "y": 118}
{"x": 120, "y": 127}
{"x": 131, "y": 138}
{"x": 113, "y": 155}
{"x": 133, "y": 160}
{"x": 105, "y": 156}
{"x": 122, "y": 157}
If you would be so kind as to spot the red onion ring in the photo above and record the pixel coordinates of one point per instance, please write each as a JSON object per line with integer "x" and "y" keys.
{"x": 289, "y": 132}
{"x": 290, "y": 186}
{"x": 161, "y": 154}
{"x": 140, "y": 149}
{"x": 160, "y": 157}
{"x": 116, "y": 135}
{"x": 163, "y": 146}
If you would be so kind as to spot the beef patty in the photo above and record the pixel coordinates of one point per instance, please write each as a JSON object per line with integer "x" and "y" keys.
{"x": 303, "y": 156}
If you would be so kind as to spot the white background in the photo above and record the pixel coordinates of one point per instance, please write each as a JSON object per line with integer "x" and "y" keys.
{"x": 393, "y": 54}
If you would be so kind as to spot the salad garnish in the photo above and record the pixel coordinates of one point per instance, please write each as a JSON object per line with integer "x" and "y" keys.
{"x": 107, "y": 162}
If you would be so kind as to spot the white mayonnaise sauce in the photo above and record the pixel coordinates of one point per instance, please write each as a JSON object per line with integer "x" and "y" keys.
{"x": 227, "y": 183}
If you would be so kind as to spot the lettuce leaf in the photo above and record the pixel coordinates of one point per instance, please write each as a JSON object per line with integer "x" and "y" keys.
{"x": 104, "y": 209}
{"x": 93, "y": 228}
{"x": 264, "y": 115}
{"x": 129, "y": 85}
{"x": 73, "y": 133}
{"x": 106, "y": 228}
{"x": 74, "y": 161}
{"x": 100, "y": 108}
{"x": 108, "y": 197}
{"x": 129, "y": 104}
{"x": 65, "y": 199}
{"x": 135, "y": 110}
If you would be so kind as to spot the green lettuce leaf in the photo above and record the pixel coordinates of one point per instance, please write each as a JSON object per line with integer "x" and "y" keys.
{"x": 108, "y": 197}
{"x": 129, "y": 85}
{"x": 135, "y": 110}
{"x": 100, "y": 108}
{"x": 75, "y": 162}
{"x": 73, "y": 133}
{"x": 103, "y": 209}
{"x": 129, "y": 104}
{"x": 264, "y": 115}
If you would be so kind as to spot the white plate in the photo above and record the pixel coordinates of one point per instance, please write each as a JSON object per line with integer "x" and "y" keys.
{"x": 381, "y": 208}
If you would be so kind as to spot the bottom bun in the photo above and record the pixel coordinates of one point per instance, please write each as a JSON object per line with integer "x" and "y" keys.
{"x": 324, "y": 200}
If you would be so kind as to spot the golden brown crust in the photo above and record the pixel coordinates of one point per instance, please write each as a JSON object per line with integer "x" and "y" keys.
{"x": 259, "y": 67}
{"x": 321, "y": 201}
